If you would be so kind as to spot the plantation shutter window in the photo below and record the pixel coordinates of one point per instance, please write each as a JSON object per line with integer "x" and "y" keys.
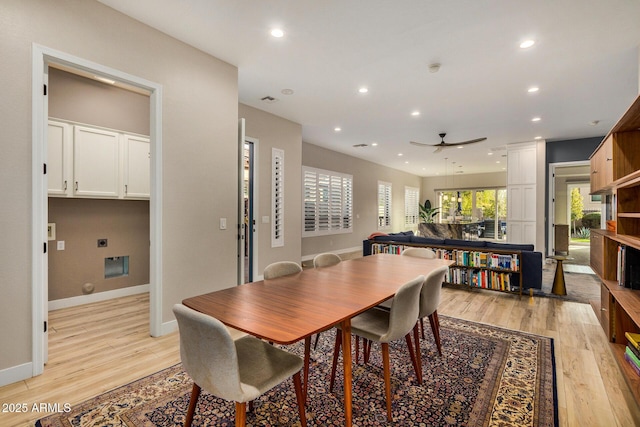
{"x": 411, "y": 208}
{"x": 277, "y": 197}
{"x": 384, "y": 205}
{"x": 328, "y": 202}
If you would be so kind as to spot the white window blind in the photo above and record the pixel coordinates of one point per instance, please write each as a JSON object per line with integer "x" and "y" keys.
{"x": 411, "y": 209}
{"x": 277, "y": 197}
{"x": 328, "y": 202}
{"x": 384, "y": 205}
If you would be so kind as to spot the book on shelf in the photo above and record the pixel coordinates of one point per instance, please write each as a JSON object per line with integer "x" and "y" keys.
{"x": 634, "y": 350}
{"x": 633, "y": 339}
{"x": 632, "y": 363}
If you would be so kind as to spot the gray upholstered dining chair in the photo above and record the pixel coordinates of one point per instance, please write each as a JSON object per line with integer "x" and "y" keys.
{"x": 429, "y": 301}
{"x": 419, "y": 253}
{"x": 281, "y": 268}
{"x": 238, "y": 371}
{"x": 326, "y": 259}
{"x": 385, "y": 326}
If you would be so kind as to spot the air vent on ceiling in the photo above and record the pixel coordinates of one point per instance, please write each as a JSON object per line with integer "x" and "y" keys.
{"x": 360, "y": 145}
{"x": 269, "y": 99}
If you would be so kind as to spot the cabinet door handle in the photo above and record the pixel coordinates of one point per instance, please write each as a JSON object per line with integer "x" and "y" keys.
{"x": 65, "y": 185}
{"x": 76, "y": 186}
{"x": 608, "y": 159}
{"x": 126, "y": 189}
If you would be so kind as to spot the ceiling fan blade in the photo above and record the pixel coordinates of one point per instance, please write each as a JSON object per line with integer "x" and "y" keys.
{"x": 439, "y": 149}
{"x": 471, "y": 141}
{"x": 420, "y": 144}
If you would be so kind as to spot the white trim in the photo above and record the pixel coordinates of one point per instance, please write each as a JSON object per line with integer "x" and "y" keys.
{"x": 100, "y": 296}
{"x": 338, "y": 252}
{"x": 15, "y": 373}
{"x": 41, "y": 57}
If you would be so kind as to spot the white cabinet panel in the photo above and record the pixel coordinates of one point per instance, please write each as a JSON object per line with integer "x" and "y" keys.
{"x": 96, "y": 163}
{"x": 59, "y": 159}
{"x": 137, "y": 170}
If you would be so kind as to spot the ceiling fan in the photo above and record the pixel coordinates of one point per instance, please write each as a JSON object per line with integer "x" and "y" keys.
{"x": 443, "y": 144}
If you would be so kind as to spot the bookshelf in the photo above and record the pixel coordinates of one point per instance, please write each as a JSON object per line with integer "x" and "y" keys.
{"x": 615, "y": 170}
{"x": 474, "y": 268}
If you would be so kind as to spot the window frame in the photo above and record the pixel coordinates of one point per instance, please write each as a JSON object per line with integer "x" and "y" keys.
{"x": 385, "y": 205}
{"x": 411, "y": 206}
{"x": 328, "y": 213}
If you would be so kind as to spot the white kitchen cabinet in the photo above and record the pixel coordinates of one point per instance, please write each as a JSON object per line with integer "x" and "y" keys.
{"x": 96, "y": 163}
{"x": 59, "y": 159}
{"x": 137, "y": 167}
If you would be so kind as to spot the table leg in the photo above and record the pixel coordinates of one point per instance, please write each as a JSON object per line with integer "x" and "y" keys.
{"x": 346, "y": 360}
{"x": 558, "y": 281}
{"x": 307, "y": 360}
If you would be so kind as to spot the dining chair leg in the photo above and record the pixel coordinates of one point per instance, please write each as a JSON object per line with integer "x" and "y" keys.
{"x": 357, "y": 349}
{"x": 195, "y": 393}
{"x": 336, "y": 352}
{"x": 422, "y": 327}
{"x": 366, "y": 344}
{"x": 435, "y": 327}
{"x": 241, "y": 414}
{"x": 416, "y": 342}
{"x": 412, "y": 354}
{"x": 387, "y": 377}
{"x": 297, "y": 383}
{"x": 307, "y": 360}
{"x": 315, "y": 344}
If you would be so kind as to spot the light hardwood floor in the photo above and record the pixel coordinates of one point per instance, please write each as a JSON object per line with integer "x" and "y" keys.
{"x": 100, "y": 346}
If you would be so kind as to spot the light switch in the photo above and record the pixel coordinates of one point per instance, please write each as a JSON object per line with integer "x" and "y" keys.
{"x": 60, "y": 245}
{"x": 223, "y": 223}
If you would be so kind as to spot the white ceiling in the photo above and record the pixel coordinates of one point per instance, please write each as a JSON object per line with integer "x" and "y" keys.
{"x": 585, "y": 62}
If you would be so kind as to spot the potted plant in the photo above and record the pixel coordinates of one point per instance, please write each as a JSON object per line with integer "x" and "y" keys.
{"x": 427, "y": 213}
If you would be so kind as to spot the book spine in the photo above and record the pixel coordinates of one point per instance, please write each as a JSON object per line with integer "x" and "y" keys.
{"x": 634, "y": 350}
{"x": 631, "y": 340}
{"x": 632, "y": 364}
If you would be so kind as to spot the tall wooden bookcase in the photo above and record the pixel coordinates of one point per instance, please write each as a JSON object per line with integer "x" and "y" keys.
{"x": 615, "y": 169}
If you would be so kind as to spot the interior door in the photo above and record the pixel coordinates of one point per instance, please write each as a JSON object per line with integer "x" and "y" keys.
{"x": 241, "y": 203}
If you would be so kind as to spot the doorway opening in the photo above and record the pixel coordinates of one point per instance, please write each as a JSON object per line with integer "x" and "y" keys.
{"x": 249, "y": 203}
{"x": 572, "y": 213}
{"x": 42, "y": 59}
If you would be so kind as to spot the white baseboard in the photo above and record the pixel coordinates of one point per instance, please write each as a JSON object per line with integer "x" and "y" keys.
{"x": 337, "y": 252}
{"x": 16, "y": 373}
{"x": 168, "y": 327}
{"x": 100, "y": 296}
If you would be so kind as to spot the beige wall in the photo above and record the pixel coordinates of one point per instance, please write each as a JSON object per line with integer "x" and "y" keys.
{"x": 365, "y": 197}
{"x": 275, "y": 132}
{"x": 199, "y": 131}
{"x": 80, "y": 223}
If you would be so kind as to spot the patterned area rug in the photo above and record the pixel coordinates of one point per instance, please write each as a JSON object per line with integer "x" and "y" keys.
{"x": 487, "y": 376}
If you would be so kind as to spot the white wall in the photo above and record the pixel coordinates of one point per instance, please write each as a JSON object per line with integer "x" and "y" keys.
{"x": 199, "y": 130}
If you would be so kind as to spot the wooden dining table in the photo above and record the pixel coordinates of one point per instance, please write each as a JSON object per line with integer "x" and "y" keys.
{"x": 291, "y": 308}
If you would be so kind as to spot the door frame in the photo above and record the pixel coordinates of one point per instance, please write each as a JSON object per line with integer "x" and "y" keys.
{"x": 42, "y": 56}
{"x": 253, "y": 257}
{"x": 551, "y": 213}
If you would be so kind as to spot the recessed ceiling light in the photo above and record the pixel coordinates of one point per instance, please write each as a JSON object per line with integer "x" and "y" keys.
{"x": 363, "y": 90}
{"x": 400, "y": 154}
{"x": 375, "y": 144}
{"x": 538, "y": 137}
{"x": 533, "y": 89}
{"x": 460, "y": 146}
{"x": 497, "y": 161}
{"x": 287, "y": 91}
{"x": 407, "y": 162}
{"x": 490, "y": 153}
{"x": 527, "y": 44}
{"x": 415, "y": 113}
{"x": 277, "y": 32}
{"x": 337, "y": 129}
{"x": 536, "y": 119}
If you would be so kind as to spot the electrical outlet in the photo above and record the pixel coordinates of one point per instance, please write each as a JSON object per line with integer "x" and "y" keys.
{"x": 102, "y": 243}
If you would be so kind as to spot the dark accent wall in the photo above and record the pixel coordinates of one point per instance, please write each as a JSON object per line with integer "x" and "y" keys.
{"x": 571, "y": 150}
